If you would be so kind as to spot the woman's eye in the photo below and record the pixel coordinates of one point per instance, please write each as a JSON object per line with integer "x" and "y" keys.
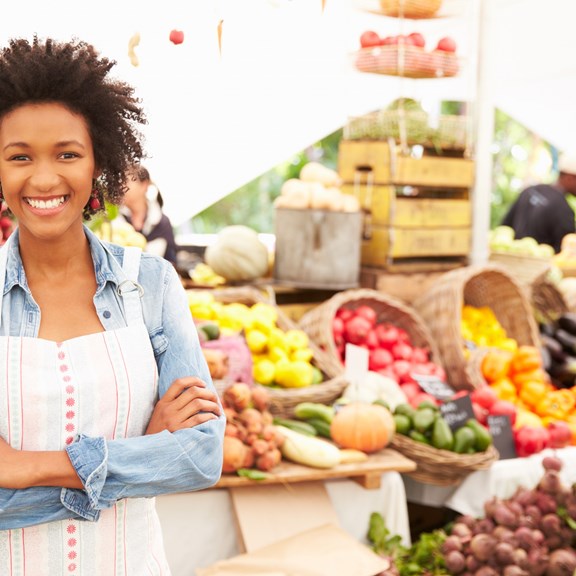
{"x": 19, "y": 157}
{"x": 69, "y": 155}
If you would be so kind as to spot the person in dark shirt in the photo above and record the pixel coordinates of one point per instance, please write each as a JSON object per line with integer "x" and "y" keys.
{"x": 542, "y": 211}
{"x": 142, "y": 207}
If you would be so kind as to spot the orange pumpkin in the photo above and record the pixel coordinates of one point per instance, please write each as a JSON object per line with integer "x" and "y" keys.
{"x": 361, "y": 426}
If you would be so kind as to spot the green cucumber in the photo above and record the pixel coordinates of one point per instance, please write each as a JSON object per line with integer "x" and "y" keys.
{"x": 296, "y": 425}
{"x": 306, "y": 410}
{"x": 321, "y": 426}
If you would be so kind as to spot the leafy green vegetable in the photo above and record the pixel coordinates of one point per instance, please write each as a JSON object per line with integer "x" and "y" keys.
{"x": 252, "y": 474}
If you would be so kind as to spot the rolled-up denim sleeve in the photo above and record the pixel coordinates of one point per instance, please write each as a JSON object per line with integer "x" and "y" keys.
{"x": 167, "y": 462}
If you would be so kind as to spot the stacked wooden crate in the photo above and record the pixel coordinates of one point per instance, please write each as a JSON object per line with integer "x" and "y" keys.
{"x": 417, "y": 210}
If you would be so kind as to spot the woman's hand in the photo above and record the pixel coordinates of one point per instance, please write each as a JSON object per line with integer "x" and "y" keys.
{"x": 11, "y": 469}
{"x": 186, "y": 403}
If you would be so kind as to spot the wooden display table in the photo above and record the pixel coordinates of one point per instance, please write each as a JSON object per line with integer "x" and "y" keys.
{"x": 368, "y": 474}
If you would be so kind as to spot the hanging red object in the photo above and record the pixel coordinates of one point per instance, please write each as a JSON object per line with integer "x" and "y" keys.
{"x": 176, "y": 36}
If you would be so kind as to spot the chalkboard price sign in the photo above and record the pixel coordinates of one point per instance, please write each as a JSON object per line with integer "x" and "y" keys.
{"x": 434, "y": 386}
{"x": 457, "y": 412}
{"x": 502, "y": 435}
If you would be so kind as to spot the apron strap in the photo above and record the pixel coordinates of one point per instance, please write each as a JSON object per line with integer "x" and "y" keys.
{"x": 3, "y": 260}
{"x": 130, "y": 290}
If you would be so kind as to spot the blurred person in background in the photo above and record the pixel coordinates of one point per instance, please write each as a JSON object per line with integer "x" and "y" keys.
{"x": 542, "y": 211}
{"x": 142, "y": 208}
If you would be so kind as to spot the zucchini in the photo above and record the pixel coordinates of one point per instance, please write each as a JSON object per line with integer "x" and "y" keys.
{"x": 321, "y": 426}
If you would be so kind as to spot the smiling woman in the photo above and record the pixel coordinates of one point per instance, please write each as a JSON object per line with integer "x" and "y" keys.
{"x": 107, "y": 400}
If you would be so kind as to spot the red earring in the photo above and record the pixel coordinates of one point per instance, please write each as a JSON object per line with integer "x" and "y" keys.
{"x": 94, "y": 202}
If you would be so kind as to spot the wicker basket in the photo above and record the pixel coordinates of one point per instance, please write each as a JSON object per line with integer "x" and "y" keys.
{"x": 283, "y": 400}
{"x": 547, "y": 300}
{"x": 441, "y": 309}
{"x": 441, "y": 467}
{"x": 317, "y": 322}
{"x": 410, "y": 8}
{"x": 524, "y": 269}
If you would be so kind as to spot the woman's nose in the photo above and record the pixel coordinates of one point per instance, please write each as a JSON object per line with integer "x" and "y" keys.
{"x": 44, "y": 179}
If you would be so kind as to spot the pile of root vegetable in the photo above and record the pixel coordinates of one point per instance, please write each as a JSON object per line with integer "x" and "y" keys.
{"x": 533, "y": 533}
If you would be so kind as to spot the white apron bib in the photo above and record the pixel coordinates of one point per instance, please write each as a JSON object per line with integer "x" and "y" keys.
{"x": 103, "y": 384}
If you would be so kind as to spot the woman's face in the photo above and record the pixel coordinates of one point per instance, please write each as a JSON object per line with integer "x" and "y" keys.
{"x": 46, "y": 168}
{"x": 135, "y": 195}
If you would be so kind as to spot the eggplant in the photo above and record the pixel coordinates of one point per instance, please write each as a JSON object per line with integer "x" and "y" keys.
{"x": 547, "y": 328}
{"x": 567, "y": 340}
{"x": 567, "y": 321}
{"x": 554, "y": 347}
{"x": 563, "y": 374}
{"x": 546, "y": 358}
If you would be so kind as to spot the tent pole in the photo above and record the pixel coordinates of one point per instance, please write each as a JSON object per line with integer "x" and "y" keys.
{"x": 484, "y": 131}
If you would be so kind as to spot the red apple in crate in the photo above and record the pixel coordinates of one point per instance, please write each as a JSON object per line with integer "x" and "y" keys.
{"x": 410, "y": 389}
{"x": 402, "y": 351}
{"x": 176, "y": 36}
{"x": 417, "y": 39}
{"x": 344, "y": 313}
{"x": 403, "y": 370}
{"x": 387, "y": 335}
{"x": 480, "y": 413}
{"x": 484, "y": 397}
{"x": 372, "y": 340}
{"x": 420, "y": 355}
{"x": 369, "y": 39}
{"x": 446, "y": 44}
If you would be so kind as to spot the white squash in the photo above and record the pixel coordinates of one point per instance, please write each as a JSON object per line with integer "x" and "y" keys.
{"x": 238, "y": 254}
{"x": 308, "y": 450}
{"x": 316, "y": 172}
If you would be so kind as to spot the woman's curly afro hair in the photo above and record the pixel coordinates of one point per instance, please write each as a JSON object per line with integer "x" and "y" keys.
{"x": 75, "y": 75}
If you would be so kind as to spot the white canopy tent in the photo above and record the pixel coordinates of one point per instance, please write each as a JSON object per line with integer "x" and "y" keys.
{"x": 285, "y": 79}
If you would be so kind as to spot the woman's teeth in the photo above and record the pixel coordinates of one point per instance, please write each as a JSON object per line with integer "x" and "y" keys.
{"x": 46, "y": 204}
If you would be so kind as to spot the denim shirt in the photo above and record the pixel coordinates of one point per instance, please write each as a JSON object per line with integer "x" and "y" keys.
{"x": 137, "y": 467}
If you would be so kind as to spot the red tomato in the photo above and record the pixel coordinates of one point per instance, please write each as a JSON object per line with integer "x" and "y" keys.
{"x": 422, "y": 397}
{"x": 387, "y": 335}
{"x": 369, "y": 39}
{"x": 402, "y": 351}
{"x": 484, "y": 396}
{"x": 481, "y": 414}
{"x": 344, "y": 313}
{"x": 372, "y": 340}
{"x": 176, "y": 36}
{"x": 411, "y": 389}
{"x": 530, "y": 440}
{"x": 560, "y": 434}
{"x": 367, "y": 312}
{"x": 446, "y": 44}
{"x": 379, "y": 359}
{"x": 356, "y": 330}
{"x": 503, "y": 408}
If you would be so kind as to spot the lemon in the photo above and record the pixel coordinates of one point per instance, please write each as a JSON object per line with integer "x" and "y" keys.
{"x": 296, "y": 339}
{"x": 298, "y": 374}
{"x": 264, "y": 372}
{"x": 277, "y": 339}
{"x": 240, "y": 313}
{"x": 201, "y": 311}
{"x": 304, "y": 354}
{"x": 263, "y": 310}
{"x": 200, "y": 297}
{"x": 317, "y": 376}
{"x": 277, "y": 354}
{"x": 257, "y": 341}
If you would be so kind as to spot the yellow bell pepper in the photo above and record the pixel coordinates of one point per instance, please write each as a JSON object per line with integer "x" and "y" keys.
{"x": 532, "y": 392}
{"x": 558, "y": 404}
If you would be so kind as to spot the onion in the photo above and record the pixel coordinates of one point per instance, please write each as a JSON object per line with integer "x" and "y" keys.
{"x": 514, "y": 571}
{"x": 486, "y": 571}
{"x": 482, "y": 546}
{"x": 550, "y": 482}
{"x": 461, "y": 530}
{"x": 503, "y": 534}
{"x": 550, "y": 524}
{"x": 451, "y": 543}
{"x": 504, "y": 516}
{"x": 521, "y": 557}
{"x": 455, "y": 562}
{"x": 525, "y": 538}
{"x": 504, "y": 553}
{"x": 552, "y": 463}
{"x": 562, "y": 562}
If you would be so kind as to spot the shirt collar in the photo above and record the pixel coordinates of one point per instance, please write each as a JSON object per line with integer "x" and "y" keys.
{"x": 104, "y": 256}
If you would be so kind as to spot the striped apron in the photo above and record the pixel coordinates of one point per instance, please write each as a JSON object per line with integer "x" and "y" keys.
{"x": 102, "y": 384}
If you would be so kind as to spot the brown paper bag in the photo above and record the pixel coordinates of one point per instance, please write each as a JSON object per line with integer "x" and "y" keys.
{"x": 324, "y": 551}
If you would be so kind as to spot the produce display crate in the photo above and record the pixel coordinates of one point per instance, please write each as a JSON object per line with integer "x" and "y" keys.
{"x": 317, "y": 322}
{"x": 441, "y": 467}
{"x": 525, "y": 269}
{"x": 441, "y": 305}
{"x": 283, "y": 401}
{"x": 406, "y": 61}
{"x": 385, "y": 164}
{"x": 414, "y": 9}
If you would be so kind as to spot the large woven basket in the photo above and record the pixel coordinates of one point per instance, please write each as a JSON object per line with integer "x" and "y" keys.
{"x": 283, "y": 401}
{"x": 441, "y": 467}
{"x": 410, "y": 8}
{"x": 441, "y": 309}
{"x": 547, "y": 300}
{"x": 317, "y": 322}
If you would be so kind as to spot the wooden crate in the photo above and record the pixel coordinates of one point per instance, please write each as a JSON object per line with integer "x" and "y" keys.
{"x": 387, "y": 244}
{"x": 317, "y": 248}
{"x": 384, "y": 207}
{"x": 361, "y": 159}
